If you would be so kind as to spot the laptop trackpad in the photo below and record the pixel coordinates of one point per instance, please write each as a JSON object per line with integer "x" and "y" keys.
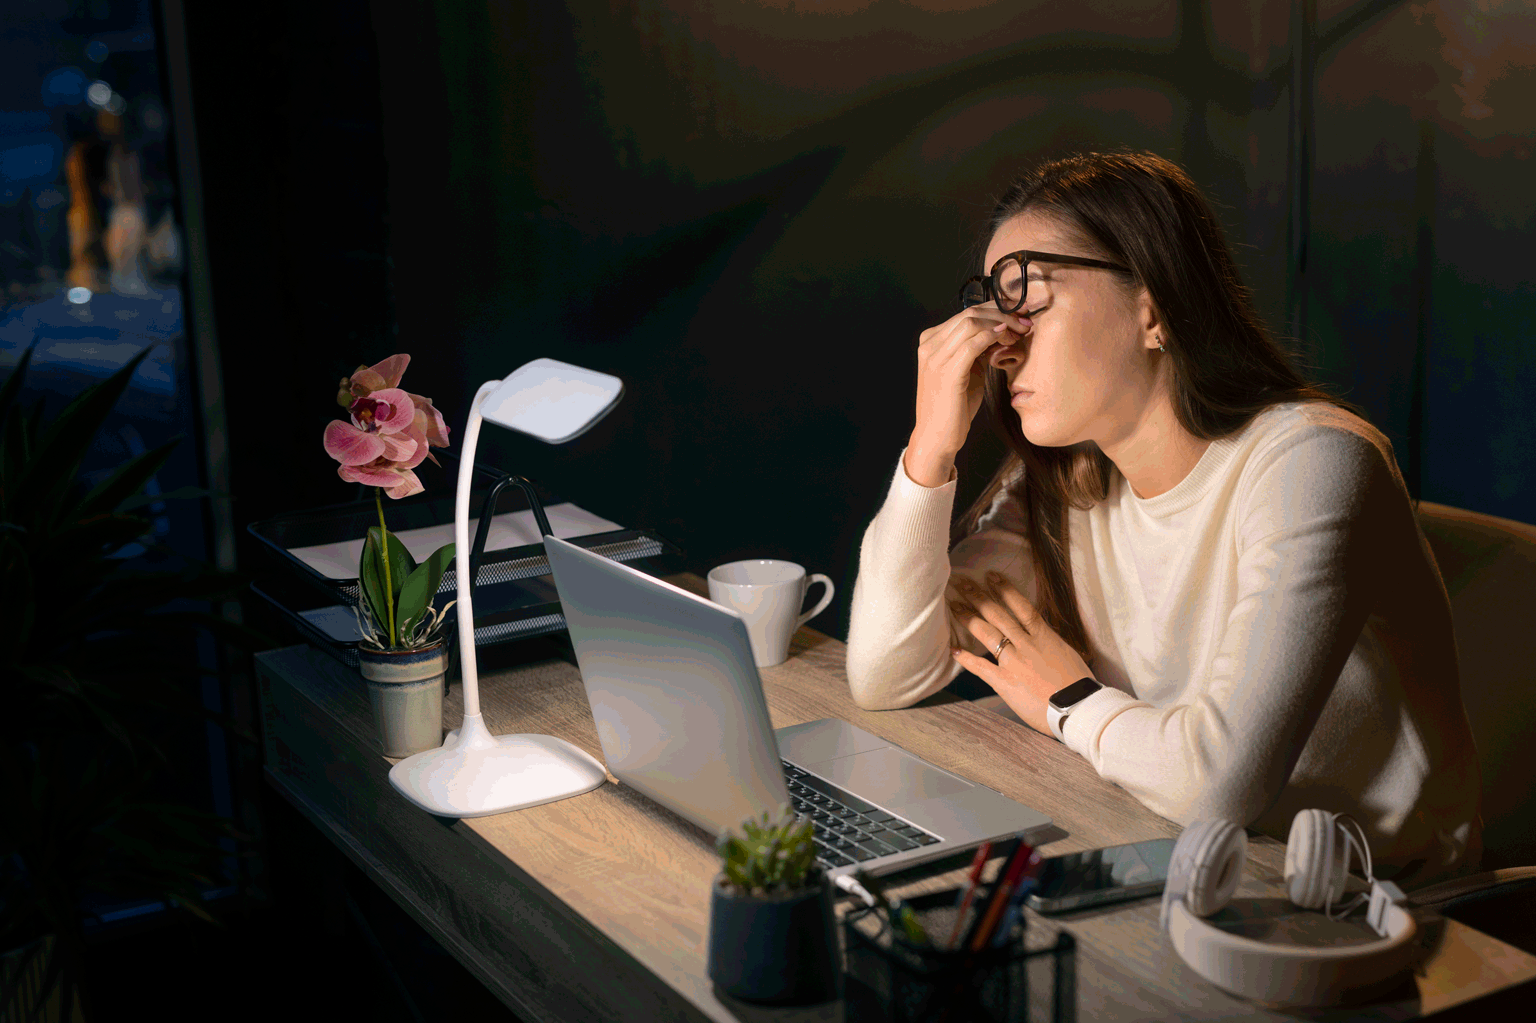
{"x": 889, "y": 776}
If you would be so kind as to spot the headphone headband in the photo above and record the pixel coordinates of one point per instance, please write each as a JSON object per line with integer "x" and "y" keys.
{"x": 1203, "y": 874}
{"x": 1292, "y": 975}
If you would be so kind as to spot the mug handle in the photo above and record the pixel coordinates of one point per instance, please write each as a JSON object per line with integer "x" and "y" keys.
{"x": 826, "y": 598}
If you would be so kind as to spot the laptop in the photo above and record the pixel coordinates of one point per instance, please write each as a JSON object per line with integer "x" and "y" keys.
{"x": 682, "y": 719}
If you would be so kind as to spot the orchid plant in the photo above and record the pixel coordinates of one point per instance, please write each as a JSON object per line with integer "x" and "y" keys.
{"x": 387, "y": 435}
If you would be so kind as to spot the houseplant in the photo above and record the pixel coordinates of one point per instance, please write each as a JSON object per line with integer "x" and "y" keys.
{"x": 402, "y": 654}
{"x": 772, "y": 935}
{"x": 97, "y": 660}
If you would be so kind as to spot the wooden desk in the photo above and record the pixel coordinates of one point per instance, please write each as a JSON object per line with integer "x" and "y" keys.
{"x": 597, "y": 907}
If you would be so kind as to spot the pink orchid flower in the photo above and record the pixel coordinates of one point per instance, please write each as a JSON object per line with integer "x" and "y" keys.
{"x": 385, "y": 375}
{"x": 390, "y": 429}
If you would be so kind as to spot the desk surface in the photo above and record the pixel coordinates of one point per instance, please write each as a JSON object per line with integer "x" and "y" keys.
{"x": 597, "y": 907}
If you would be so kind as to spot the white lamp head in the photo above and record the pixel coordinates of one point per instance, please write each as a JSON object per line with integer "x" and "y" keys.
{"x": 552, "y": 400}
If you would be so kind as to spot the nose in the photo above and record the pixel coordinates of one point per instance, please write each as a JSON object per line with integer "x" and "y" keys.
{"x": 1007, "y": 357}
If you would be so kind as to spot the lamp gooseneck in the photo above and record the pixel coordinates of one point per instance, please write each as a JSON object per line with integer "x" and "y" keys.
{"x": 462, "y": 574}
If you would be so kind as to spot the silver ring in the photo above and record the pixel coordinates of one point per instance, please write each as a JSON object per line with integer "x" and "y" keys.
{"x": 1000, "y": 644}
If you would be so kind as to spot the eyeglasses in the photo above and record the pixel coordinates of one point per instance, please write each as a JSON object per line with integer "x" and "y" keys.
{"x": 1007, "y": 282}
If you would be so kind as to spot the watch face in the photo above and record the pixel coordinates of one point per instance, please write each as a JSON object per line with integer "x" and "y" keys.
{"x": 1079, "y": 690}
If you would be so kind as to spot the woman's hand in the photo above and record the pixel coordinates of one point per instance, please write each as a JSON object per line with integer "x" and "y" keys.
{"x": 952, "y": 361}
{"x": 1035, "y": 663}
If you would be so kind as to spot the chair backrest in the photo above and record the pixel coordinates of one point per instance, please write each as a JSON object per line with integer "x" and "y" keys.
{"x": 1489, "y": 568}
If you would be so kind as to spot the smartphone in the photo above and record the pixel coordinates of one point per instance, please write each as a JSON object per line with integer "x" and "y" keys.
{"x": 1098, "y": 876}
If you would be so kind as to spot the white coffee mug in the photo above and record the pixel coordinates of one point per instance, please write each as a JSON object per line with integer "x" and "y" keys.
{"x": 767, "y": 594}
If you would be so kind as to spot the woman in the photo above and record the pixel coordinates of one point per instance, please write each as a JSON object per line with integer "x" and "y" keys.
{"x": 1228, "y": 554}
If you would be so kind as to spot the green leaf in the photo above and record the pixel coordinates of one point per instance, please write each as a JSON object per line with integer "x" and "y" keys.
{"x": 89, "y": 539}
{"x": 371, "y": 575}
{"x": 53, "y": 466}
{"x": 421, "y": 586}
{"x": 12, "y": 386}
{"x": 179, "y": 494}
{"x": 111, "y": 492}
{"x": 401, "y": 564}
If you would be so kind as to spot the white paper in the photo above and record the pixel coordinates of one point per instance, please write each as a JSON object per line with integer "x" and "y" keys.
{"x": 510, "y": 529}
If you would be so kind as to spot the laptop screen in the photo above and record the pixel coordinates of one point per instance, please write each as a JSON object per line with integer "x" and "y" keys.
{"x": 674, "y": 692}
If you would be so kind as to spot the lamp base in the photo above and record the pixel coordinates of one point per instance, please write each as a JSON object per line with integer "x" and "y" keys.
{"x": 476, "y": 774}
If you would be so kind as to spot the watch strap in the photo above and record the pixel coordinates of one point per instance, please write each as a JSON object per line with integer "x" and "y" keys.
{"x": 1056, "y": 714}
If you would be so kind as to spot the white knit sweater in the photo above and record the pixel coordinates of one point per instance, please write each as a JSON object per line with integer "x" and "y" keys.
{"x": 1273, "y": 634}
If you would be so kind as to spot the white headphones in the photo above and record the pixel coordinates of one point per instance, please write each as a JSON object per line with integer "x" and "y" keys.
{"x": 1205, "y": 869}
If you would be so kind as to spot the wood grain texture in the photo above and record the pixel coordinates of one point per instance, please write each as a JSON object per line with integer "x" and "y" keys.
{"x": 597, "y": 907}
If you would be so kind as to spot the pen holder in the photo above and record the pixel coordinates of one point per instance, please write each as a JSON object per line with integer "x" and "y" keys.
{"x": 890, "y": 979}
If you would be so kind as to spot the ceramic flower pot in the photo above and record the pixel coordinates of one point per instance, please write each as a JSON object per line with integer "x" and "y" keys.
{"x": 406, "y": 690}
{"x": 780, "y": 950}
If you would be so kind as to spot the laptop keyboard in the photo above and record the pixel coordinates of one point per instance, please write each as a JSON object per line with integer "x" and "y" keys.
{"x": 848, "y": 830}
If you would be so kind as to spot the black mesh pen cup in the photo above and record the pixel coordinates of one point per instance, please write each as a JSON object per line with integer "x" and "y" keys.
{"x": 890, "y": 979}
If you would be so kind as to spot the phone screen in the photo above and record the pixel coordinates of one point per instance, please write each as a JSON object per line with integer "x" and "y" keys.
{"x": 1099, "y": 875}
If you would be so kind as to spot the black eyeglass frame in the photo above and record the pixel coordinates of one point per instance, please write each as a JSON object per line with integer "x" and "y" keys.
{"x": 989, "y": 282}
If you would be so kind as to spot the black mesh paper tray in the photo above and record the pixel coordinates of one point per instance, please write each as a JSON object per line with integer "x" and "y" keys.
{"x": 641, "y": 548}
{"x": 514, "y": 596}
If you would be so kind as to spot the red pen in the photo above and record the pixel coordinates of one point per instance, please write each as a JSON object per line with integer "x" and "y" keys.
{"x": 999, "y": 902}
{"x": 978, "y": 862}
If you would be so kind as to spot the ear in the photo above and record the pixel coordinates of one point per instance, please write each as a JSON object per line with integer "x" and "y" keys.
{"x": 1149, "y": 319}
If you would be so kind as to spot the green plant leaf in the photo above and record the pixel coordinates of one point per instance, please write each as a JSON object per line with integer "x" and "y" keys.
{"x": 371, "y": 575}
{"x": 55, "y": 463}
{"x": 401, "y": 564}
{"x": 370, "y": 580}
{"x": 421, "y": 586}
{"x": 179, "y": 494}
{"x": 12, "y": 385}
{"x": 89, "y": 539}
{"x": 774, "y": 854}
{"x": 110, "y": 493}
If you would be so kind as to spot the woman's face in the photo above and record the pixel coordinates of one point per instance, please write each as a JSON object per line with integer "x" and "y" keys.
{"x": 1091, "y": 361}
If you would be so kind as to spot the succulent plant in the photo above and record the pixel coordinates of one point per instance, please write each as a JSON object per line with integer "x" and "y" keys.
{"x": 774, "y": 857}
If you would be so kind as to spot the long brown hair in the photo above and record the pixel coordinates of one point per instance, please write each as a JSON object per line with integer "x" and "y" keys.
{"x": 1145, "y": 213}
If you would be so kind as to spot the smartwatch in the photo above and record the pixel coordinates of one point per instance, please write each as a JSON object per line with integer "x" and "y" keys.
{"x": 1062, "y": 702}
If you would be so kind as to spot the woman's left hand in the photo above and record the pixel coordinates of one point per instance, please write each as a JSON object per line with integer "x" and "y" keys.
{"x": 1035, "y": 662}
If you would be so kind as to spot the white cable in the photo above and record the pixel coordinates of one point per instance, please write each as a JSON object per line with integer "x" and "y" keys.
{"x": 848, "y": 884}
{"x": 1363, "y": 849}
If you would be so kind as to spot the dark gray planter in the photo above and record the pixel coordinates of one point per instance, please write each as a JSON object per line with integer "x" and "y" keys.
{"x": 777, "y": 951}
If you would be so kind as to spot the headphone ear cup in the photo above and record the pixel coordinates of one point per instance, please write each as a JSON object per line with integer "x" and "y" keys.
{"x": 1217, "y": 868}
{"x": 1205, "y": 868}
{"x": 1314, "y": 860}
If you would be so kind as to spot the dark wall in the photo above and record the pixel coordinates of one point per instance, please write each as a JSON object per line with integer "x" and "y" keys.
{"x": 750, "y": 211}
{"x": 289, "y": 129}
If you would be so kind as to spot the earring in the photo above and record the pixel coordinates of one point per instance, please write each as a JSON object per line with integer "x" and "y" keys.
{"x": 1159, "y": 339}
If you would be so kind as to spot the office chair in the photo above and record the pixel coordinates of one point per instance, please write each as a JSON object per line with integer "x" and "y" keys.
{"x": 1489, "y": 567}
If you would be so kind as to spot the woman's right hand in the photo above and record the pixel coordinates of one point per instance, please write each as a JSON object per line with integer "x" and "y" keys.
{"x": 952, "y": 361}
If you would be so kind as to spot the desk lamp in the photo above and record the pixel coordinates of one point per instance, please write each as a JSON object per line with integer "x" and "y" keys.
{"x": 475, "y": 773}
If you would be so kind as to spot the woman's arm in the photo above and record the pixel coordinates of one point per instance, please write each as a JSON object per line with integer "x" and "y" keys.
{"x": 901, "y": 629}
{"x": 1305, "y": 577}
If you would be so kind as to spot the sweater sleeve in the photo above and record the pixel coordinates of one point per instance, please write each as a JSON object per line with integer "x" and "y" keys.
{"x": 1227, "y": 747}
{"x": 900, "y": 629}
